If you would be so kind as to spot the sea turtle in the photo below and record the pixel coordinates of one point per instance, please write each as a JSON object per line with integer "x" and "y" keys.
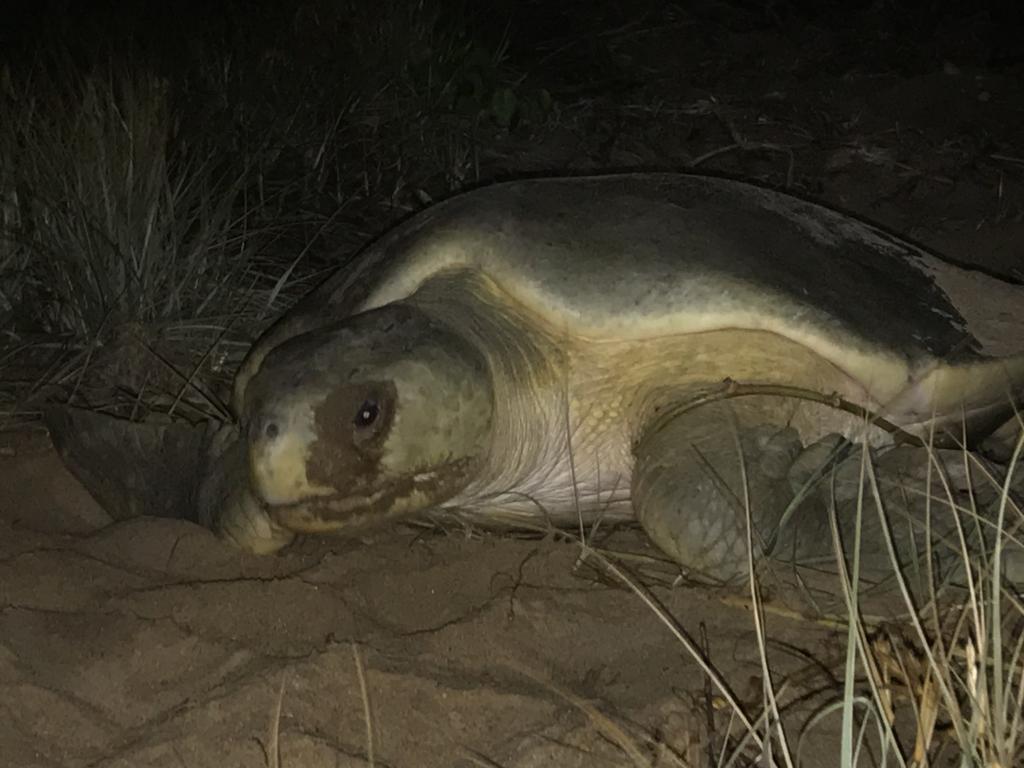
{"x": 561, "y": 349}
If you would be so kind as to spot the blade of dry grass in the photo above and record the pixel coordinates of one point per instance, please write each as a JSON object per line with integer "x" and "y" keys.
{"x": 365, "y": 696}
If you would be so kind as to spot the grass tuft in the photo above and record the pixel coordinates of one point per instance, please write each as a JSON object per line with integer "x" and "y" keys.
{"x": 115, "y": 234}
{"x": 106, "y": 221}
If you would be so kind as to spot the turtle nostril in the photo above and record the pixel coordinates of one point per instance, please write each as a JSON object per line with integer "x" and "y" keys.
{"x": 271, "y": 430}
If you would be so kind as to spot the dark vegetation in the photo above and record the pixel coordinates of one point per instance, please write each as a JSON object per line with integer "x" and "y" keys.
{"x": 172, "y": 175}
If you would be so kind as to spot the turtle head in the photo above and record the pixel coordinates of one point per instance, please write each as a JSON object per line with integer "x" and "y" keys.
{"x": 384, "y": 414}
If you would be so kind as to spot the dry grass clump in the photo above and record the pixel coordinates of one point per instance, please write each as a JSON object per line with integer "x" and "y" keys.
{"x": 114, "y": 233}
{"x": 943, "y": 686}
{"x": 948, "y": 688}
{"x": 106, "y": 220}
{"x": 959, "y": 664}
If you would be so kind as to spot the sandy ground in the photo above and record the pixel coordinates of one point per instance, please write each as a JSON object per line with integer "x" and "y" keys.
{"x": 151, "y": 643}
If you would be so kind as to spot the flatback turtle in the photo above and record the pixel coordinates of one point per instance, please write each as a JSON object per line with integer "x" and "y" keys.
{"x": 563, "y": 349}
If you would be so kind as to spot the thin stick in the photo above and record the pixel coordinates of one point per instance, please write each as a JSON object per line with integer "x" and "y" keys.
{"x": 729, "y": 389}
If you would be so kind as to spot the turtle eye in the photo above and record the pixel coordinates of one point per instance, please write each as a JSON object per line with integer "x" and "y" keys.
{"x": 367, "y": 414}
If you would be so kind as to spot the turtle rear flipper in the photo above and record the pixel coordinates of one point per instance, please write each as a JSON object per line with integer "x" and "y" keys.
{"x": 132, "y": 468}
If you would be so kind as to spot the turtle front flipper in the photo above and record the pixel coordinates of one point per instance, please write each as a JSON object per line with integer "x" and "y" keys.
{"x": 131, "y": 468}
{"x": 688, "y": 490}
{"x": 197, "y": 473}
